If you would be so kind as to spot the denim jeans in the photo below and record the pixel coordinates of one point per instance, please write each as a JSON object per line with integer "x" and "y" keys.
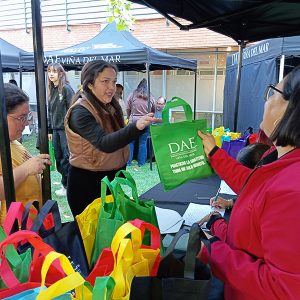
{"x": 142, "y": 153}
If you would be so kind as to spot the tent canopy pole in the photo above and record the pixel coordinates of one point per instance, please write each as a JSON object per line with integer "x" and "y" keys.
{"x": 40, "y": 92}
{"x": 8, "y": 179}
{"x": 238, "y": 85}
{"x": 195, "y": 95}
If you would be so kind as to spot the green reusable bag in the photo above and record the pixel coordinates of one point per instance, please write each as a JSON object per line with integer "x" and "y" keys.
{"x": 178, "y": 149}
{"x": 132, "y": 207}
{"x": 19, "y": 263}
{"x": 52, "y": 156}
{"x": 109, "y": 220}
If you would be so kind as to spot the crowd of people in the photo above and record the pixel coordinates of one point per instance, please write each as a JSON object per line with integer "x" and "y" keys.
{"x": 255, "y": 253}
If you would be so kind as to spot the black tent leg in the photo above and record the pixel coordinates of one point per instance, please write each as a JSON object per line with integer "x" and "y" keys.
{"x": 149, "y": 110}
{"x": 238, "y": 85}
{"x": 195, "y": 95}
{"x": 40, "y": 92}
{"x": 8, "y": 179}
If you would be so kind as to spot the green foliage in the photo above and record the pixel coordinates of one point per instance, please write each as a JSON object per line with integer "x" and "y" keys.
{"x": 119, "y": 11}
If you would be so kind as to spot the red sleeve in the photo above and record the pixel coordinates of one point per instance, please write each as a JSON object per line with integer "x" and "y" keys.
{"x": 219, "y": 229}
{"x": 277, "y": 274}
{"x": 229, "y": 169}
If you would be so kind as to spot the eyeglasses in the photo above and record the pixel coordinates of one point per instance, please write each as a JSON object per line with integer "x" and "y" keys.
{"x": 270, "y": 90}
{"x": 23, "y": 119}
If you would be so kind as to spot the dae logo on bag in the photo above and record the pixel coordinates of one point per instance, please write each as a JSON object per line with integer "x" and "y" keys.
{"x": 183, "y": 146}
{"x": 178, "y": 149}
{"x": 184, "y": 156}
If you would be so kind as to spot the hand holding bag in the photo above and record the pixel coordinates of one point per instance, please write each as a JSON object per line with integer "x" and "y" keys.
{"x": 178, "y": 149}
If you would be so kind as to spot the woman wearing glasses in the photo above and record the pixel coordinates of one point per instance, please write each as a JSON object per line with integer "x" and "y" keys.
{"x": 26, "y": 169}
{"x": 256, "y": 254}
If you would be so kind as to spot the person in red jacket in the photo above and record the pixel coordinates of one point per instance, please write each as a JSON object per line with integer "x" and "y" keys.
{"x": 256, "y": 254}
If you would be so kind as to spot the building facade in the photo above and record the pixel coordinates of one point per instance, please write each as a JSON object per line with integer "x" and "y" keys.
{"x": 69, "y": 22}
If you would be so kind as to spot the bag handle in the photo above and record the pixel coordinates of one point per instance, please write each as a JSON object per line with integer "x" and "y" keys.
{"x": 11, "y": 253}
{"x": 121, "y": 234}
{"x": 123, "y": 261}
{"x": 50, "y": 206}
{"x": 105, "y": 183}
{"x": 32, "y": 207}
{"x": 155, "y": 234}
{"x": 176, "y": 238}
{"x": 15, "y": 212}
{"x": 193, "y": 248}
{"x": 176, "y": 102}
{"x": 73, "y": 280}
{"x": 34, "y": 239}
{"x": 127, "y": 175}
{"x": 118, "y": 182}
{"x": 103, "y": 288}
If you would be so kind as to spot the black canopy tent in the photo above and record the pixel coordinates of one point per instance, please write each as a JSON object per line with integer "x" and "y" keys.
{"x": 262, "y": 64}
{"x": 118, "y": 47}
{"x": 12, "y": 58}
{"x": 243, "y": 20}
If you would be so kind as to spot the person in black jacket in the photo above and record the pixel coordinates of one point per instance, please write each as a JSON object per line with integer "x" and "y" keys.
{"x": 60, "y": 94}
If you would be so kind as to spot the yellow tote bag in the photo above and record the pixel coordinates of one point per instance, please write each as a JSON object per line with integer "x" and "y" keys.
{"x": 72, "y": 281}
{"x": 130, "y": 259}
{"x": 87, "y": 223}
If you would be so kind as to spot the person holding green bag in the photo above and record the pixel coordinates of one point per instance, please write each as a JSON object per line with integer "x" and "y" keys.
{"x": 179, "y": 156}
{"x": 97, "y": 137}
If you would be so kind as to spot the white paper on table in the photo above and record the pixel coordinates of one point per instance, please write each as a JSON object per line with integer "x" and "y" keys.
{"x": 169, "y": 220}
{"x": 195, "y": 212}
{"x": 225, "y": 189}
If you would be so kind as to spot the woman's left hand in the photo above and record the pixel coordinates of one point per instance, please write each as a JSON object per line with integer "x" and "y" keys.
{"x": 146, "y": 120}
{"x": 207, "y": 217}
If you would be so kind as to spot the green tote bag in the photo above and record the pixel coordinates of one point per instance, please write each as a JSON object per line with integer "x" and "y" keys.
{"x": 178, "y": 149}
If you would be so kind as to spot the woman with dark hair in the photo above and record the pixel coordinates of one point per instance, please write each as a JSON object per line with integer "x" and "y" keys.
{"x": 137, "y": 107}
{"x": 60, "y": 94}
{"x": 27, "y": 170}
{"x": 97, "y": 137}
{"x": 256, "y": 254}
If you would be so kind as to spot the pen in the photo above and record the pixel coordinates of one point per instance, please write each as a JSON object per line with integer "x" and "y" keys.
{"x": 216, "y": 197}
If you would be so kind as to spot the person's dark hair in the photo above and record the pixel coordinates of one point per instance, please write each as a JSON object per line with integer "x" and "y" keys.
{"x": 119, "y": 85}
{"x": 142, "y": 89}
{"x": 250, "y": 155}
{"x": 14, "y": 97}
{"x": 161, "y": 97}
{"x": 89, "y": 74}
{"x": 287, "y": 132}
{"x": 13, "y": 82}
{"x": 62, "y": 78}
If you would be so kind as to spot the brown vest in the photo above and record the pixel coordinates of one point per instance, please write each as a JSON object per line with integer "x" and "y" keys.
{"x": 86, "y": 156}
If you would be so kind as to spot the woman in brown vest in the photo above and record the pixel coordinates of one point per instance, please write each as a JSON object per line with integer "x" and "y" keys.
{"x": 97, "y": 137}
